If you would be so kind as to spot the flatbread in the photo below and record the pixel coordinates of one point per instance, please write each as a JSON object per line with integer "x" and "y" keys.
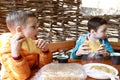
{"x": 94, "y": 45}
{"x": 30, "y": 46}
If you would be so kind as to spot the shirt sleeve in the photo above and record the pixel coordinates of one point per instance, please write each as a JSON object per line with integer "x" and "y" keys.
{"x": 17, "y": 69}
{"x": 20, "y": 69}
{"x": 78, "y": 44}
{"x": 107, "y": 45}
{"x": 45, "y": 58}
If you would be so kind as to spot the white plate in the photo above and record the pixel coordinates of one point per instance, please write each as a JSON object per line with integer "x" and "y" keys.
{"x": 97, "y": 74}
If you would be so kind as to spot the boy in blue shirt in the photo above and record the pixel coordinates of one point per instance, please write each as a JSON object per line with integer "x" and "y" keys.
{"x": 97, "y": 28}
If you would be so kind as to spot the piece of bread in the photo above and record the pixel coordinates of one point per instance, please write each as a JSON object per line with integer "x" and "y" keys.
{"x": 94, "y": 45}
{"x": 29, "y": 46}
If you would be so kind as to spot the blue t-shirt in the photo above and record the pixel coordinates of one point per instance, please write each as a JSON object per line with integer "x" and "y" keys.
{"x": 81, "y": 40}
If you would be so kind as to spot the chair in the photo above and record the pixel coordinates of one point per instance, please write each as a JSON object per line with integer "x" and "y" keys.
{"x": 116, "y": 46}
{"x": 63, "y": 45}
{"x": 67, "y": 45}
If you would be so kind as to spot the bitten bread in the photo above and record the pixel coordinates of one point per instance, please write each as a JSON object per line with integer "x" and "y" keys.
{"x": 94, "y": 45}
{"x": 30, "y": 46}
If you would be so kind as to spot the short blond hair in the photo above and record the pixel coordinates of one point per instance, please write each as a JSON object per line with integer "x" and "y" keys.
{"x": 18, "y": 18}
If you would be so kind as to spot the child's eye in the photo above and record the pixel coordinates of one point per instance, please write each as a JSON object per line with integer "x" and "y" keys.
{"x": 105, "y": 31}
{"x": 34, "y": 27}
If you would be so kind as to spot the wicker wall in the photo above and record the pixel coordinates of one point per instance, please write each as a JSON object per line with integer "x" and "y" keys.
{"x": 60, "y": 19}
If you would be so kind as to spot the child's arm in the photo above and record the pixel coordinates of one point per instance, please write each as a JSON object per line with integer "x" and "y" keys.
{"x": 17, "y": 69}
{"x": 16, "y": 66}
{"x": 45, "y": 56}
{"x": 79, "y": 42}
{"x": 16, "y": 42}
{"x": 105, "y": 49}
{"x": 102, "y": 50}
{"x": 43, "y": 45}
{"x": 40, "y": 47}
{"x": 20, "y": 68}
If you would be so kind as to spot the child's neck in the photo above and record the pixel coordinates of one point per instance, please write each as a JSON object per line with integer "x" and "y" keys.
{"x": 91, "y": 37}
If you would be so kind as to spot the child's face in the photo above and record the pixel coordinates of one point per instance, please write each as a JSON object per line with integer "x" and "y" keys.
{"x": 101, "y": 32}
{"x": 31, "y": 28}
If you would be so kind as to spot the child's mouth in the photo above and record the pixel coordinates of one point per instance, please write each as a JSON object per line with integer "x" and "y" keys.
{"x": 35, "y": 37}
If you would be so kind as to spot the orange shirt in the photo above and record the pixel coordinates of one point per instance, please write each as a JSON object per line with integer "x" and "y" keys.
{"x": 23, "y": 68}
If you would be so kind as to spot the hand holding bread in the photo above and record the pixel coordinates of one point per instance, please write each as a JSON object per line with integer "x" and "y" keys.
{"x": 83, "y": 49}
{"x": 94, "y": 45}
{"x": 34, "y": 46}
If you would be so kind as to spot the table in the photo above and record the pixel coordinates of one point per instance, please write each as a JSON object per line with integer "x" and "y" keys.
{"x": 106, "y": 61}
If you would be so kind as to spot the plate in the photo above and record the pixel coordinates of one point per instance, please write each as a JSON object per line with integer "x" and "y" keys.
{"x": 99, "y": 74}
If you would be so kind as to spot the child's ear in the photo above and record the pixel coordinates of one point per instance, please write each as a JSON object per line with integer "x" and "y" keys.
{"x": 18, "y": 29}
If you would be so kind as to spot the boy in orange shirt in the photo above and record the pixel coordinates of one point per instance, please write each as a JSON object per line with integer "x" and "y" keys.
{"x": 18, "y": 64}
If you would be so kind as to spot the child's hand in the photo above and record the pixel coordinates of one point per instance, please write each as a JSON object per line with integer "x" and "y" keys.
{"x": 83, "y": 49}
{"x": 42, "y": 44}
{"x": 102, "y": 50}
{"x": 16, "y": 42}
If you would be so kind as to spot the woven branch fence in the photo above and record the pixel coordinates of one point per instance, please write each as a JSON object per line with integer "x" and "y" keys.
{"x": 59, "y": 19}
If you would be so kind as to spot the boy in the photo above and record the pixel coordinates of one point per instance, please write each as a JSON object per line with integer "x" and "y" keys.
{"x": 16, "y": 64}
{"x": 94, "y": 42}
